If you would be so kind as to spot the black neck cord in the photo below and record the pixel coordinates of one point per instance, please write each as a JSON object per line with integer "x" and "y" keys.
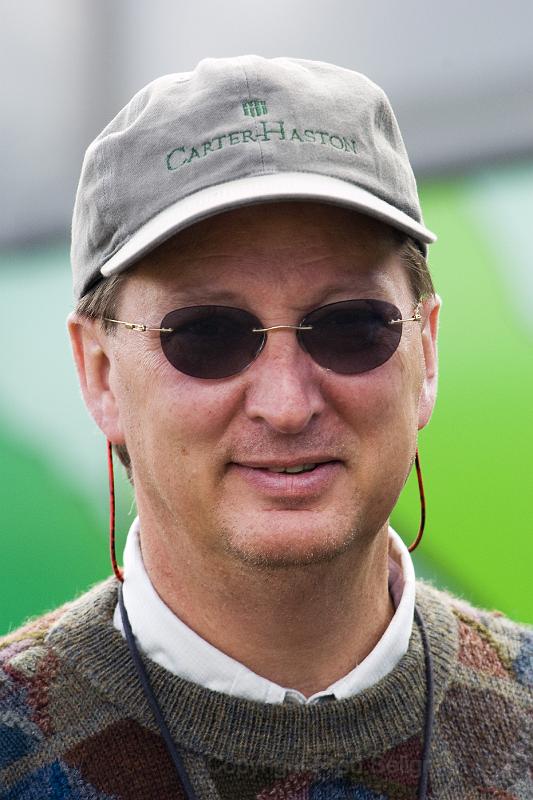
{"x": 154, "y": 705}
{"x": 171, "y": 747}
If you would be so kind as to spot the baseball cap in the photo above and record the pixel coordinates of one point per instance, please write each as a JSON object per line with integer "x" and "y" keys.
{"x": 234, "y": 132}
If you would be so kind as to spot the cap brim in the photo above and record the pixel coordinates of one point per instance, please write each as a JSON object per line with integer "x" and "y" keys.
{"x": 258, "y": 189}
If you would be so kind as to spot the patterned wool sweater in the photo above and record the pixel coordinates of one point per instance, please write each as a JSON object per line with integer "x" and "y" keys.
{"x": 75, "y": 724}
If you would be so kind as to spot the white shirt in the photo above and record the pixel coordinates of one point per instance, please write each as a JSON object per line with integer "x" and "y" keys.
{"x": 168, "y": 641}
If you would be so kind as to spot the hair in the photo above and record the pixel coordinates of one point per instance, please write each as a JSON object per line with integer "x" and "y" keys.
{"x": 103, "y": 300}
{"x": 417, "y": 268}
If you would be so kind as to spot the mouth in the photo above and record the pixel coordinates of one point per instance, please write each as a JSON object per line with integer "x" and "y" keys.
{"x": 296, "y": 478}
{"x": 290, "y": 466}
{"x": 294, "y": 470}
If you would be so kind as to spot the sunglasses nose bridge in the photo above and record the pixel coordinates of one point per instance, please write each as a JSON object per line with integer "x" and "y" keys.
{"x": 298, "y": 329}
{"x": 283, "y": 328}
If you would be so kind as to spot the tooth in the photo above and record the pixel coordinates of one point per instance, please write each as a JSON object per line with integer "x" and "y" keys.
{"x": 293, "y": 470}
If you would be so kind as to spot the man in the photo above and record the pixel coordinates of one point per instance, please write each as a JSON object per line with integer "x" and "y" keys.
{"x": 256, "y": 336}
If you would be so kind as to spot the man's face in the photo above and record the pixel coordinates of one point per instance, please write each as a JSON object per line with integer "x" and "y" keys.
{"x": 201, "y": 449}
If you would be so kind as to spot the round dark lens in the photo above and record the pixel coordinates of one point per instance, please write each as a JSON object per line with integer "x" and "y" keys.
{"x": 211, "y": 341}
{"x": 352, "y": 336}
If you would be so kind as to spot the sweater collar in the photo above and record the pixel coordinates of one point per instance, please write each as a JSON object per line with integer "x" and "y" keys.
{"x": 241, "y": 731}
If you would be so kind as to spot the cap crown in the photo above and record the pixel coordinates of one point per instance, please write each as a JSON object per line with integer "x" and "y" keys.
{"x": 229, "y": 119}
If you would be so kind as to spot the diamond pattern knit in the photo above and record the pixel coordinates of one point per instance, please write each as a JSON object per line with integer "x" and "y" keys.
{"x": 74, "y": 722}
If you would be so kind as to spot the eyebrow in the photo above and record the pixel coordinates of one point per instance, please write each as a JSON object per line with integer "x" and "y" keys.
{"x": 368, "y": 288}
{"x": 207, "y": 296}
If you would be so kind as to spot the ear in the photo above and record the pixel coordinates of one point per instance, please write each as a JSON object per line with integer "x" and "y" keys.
{"x": 430, "y": 323}
{"x": 92, "y": 353}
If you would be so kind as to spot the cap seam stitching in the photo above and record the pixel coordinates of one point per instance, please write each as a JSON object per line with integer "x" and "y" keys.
{"x": 254, "y": 120}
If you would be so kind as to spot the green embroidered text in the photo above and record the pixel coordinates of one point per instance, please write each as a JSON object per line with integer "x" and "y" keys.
{"x": 267, "y": 131}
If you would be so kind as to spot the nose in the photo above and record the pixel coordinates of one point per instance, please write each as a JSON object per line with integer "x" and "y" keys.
{"x": 283, "y": 385}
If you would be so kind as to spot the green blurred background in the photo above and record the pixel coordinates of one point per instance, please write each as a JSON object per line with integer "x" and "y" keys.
{"x": 463, "y": 95}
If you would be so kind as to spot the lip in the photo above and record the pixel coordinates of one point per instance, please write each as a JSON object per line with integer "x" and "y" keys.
{"x": 286, "y": 462}
{"x": 299, "y": 485}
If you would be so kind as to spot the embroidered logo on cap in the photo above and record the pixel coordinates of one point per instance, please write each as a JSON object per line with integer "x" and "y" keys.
{"x": 263, "y": 131}
{"x": 254, "y": 108}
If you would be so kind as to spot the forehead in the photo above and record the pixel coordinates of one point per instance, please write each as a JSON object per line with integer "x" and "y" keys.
{"x": 303, "y": 249}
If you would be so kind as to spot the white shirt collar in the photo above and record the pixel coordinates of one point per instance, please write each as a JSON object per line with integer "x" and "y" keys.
{"x": 168, "y": 641}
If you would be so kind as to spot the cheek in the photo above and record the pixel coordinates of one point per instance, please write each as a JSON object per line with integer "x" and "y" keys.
{"x": 379, "y": 398}
{"x": 201, "y": 409}
{"x": 380, "y": 409}
{"x": 170, "y": 418}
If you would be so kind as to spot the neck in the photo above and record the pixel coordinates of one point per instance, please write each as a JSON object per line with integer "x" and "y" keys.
{"x": 302, "y": 627}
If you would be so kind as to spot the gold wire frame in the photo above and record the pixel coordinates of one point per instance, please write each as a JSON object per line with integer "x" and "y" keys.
{"x": 139, "y": 326}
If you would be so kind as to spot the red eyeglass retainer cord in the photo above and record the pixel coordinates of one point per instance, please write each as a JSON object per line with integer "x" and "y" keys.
{"x": 116, "y": 569}
{"x": 118, "y": 572}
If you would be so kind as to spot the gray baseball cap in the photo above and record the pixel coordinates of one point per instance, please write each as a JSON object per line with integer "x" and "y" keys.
{"x": 234, "y": 132}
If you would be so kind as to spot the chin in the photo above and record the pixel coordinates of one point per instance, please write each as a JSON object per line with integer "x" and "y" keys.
{"x": 280, "y": 544}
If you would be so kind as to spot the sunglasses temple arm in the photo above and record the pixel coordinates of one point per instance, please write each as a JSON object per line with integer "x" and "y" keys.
{"x": 137, "y": 326}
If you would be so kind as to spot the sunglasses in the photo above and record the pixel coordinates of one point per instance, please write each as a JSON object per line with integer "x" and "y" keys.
{"x": 349, "y": 337}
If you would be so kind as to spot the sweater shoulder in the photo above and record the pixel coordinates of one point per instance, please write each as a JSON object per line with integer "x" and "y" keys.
{"x": 36, "y": 715}
{"x": 22, "y": 649}
{"x": 489, "y": 641}
{"x": 30, "y": 665}
{"x": 483, "y": 722}
{"x": 28, "y": 643}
